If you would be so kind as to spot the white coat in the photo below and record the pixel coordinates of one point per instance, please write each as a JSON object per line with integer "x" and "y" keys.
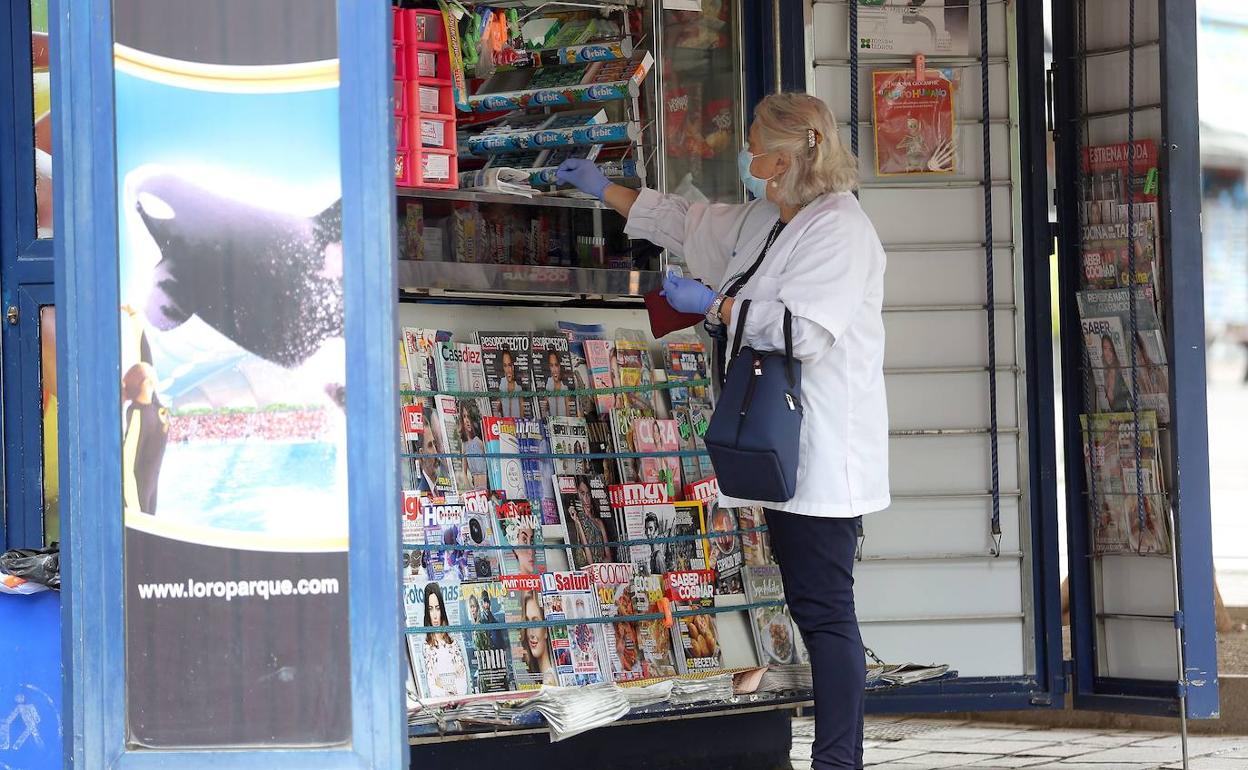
{"x": 827, "y": 268}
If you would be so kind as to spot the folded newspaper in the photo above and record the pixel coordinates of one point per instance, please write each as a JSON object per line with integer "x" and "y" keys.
{"x": 509, "y": 181}
{"x": 572, "y": 710}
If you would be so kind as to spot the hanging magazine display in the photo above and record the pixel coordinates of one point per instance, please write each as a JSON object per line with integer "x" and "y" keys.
{"x": 914, "y": 122}
{"x": 929, "y": 27}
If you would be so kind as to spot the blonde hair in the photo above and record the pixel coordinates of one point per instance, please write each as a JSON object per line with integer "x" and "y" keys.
{"x": 802, "y": 127}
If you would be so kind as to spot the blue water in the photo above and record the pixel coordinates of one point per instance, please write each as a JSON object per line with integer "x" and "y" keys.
{"x": 277, "y": 488}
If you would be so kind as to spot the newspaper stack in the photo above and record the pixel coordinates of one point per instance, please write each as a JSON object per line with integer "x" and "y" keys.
{"x": 786, "y": 678}
{"x": 910, "y": 673}
{"x": 706, "y": 690}
{"x": 573, "y": 710}
{"x": 648, "y": 695}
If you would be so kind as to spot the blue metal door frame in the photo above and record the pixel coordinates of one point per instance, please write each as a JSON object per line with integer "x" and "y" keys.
{"x": 25, "y": 270}
{"x": 87, "y": 302}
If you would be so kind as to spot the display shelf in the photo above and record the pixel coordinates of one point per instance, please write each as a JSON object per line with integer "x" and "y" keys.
{"x": 478, "y": 196}
{"x": 420, "y": 277}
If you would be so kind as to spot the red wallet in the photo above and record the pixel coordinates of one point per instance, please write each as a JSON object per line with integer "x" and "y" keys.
{"x": 664, "y": 319}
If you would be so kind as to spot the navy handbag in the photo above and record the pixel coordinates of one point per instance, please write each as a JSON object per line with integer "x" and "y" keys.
{"x": 756, "y": 430}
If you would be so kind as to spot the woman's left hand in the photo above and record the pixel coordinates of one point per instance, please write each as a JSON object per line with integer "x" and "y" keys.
{"x": 687, "y": 295}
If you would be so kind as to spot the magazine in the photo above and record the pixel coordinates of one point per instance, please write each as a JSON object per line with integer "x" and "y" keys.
{"x": 600, "y": 357}
{"x": 776, "y": 637}
{"x": 602, "y": 442}
{"x": 447, "y": 438}
{"x": 531, "y": 663}
{"x": 507, "y": 362}
{"x": 488, "y": 650}
{"x": 427, "y": 472}
{"x": 659, "y": 436}
{"x": 1110, "y": 470}
{"x": 439, "y": 658}
{"x": 420, "y": 345}
{"x": 1104, "y": 317}
{"x": 519, "y": 526}
{"x": 1106, "y": 255}
{"x": 538, "y": 472}
{"x": 570, "y": 436}
{"x": 893, "y": 28}
{"x": 695, "y": 636}
{"x": 506, "y": 474}
{"x": 552, "y": 372}
{"x": 614, "y": 584}
{"x": 445, "y": 519}
{"x": 755, "y": 546}
{"x": 686, "y": 361}
{"x": 578, "y": 336}
{"x": 655, "y": 638}
{"x": 692, "y": 420}
{"x": 686, "y": 520}
{"x": 586, "y": 515}
{"x": 725, "y": 554}
{"x": 1106, "y": 175}
{"x": 622, "y": 421}
{"x": 914, "y": 122}
{"x": 480, "y": 532}
{"x": 577, "y": 649}
{"x": 630, "y": 508}
{"x": 472, "y": 410}
{"x": 635, "y": 370}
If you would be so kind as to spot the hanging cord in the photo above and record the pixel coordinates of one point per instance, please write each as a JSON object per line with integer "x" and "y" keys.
{"x": 990, "y": 298}
{"x": 853, "y": 78}
{"x": 1131, "y": 291}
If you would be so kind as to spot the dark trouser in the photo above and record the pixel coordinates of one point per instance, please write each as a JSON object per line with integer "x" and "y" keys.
{"x": 816, "y": 556}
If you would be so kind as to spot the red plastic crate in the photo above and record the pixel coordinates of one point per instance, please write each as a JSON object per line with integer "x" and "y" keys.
{"x": 428, "y": 104}
{"x": 400, "y": 61}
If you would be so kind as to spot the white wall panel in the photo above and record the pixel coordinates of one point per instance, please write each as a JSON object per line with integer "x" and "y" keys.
{"x": 922, "y": 216}
{"x": 962, "y": 399}
{"x": 937, "y": 527}
{"x": 946, "y": 277}
{"x": 949, "y": 465}
{"x": 832, "y": 29}
{"x": 946, "y": 339}
{"x": 972, "y": 648}
{"x": 1138, "y": 649}
{"x": 889, "y": 591}
{"x": 1107, "y": 22}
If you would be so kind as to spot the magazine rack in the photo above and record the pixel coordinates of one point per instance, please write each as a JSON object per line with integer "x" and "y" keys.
{"x": 1139, "y": 510}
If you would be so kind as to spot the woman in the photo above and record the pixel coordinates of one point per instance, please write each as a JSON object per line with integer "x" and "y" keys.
{"x": 822, "y": 260}
{"x": 145, "y": 439}
{"x": 557, "y": 406}
{"x": 445, "y": 668}
{"x": 536, "y": 651}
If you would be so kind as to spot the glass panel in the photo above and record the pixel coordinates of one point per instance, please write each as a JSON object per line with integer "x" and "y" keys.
{"x": 233, "y": 428}
{"x": 48, "y": 408}
{"x": 702, "y": 101}
{"x": 42, "y": 116}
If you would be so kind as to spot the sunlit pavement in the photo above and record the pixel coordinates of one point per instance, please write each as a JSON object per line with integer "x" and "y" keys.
{"x": 917, "y": 743}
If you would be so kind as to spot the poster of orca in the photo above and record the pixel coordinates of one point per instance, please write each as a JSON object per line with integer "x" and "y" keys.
{"x": 233, "y": 372}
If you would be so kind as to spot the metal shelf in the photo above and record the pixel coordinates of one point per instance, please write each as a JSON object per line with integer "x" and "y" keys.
{"x": 478, "y": 196}
{"x": 564, "y": 282}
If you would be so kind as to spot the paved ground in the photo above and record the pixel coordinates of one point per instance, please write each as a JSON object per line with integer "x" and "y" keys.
{"x": 918, "y": 744}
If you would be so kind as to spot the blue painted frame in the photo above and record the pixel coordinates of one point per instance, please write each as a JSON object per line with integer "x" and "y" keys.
{"x": 87, "y": 298}
{"x": 1180, "y": 207}
{"x": 25, "y": 265}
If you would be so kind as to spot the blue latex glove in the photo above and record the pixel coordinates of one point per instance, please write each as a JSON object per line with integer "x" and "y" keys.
{"x": 583, "y": 175}
{"x": 687, "y": 295}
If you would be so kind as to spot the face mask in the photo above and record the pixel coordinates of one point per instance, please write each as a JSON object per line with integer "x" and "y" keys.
{"x": 756, "y": 186}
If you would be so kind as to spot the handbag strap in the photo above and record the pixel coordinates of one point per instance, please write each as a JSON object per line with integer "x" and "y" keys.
{"x": 736, "y": 338}
{"x": 788, "y": 347}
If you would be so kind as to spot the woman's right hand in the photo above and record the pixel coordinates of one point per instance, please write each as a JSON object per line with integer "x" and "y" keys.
{"x": 583, "y": 175}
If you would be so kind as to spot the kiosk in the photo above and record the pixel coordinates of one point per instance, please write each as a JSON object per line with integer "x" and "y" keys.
{"x": 256, "y": 605}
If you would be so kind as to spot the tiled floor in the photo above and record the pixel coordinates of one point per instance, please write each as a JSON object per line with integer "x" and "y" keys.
{"x": 918, "y": 744}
